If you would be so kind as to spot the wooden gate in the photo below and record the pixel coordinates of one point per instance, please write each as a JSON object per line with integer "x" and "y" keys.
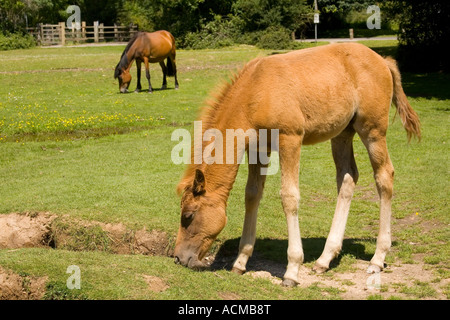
{"x": 54, "y": 34}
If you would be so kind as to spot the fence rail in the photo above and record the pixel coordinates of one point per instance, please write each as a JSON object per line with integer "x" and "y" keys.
{"x": 52, "y": 34}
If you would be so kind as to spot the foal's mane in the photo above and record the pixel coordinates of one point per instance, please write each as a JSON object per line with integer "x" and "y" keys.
{"x": 123, "y": 63}
{"x": 208, "y": 112}
{"x": 208, "y": 115}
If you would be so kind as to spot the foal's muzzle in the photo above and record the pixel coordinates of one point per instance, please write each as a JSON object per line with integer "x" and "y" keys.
{"x": 190, "y": 261}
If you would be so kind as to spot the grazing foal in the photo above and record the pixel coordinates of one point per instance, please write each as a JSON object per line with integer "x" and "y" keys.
{"x": 310, "y": 96}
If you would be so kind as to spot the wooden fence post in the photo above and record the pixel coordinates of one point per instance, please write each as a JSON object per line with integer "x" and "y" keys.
{"x": 41, "y": 34}
{"x": 96, "y": 31}
{"x": 116, "y": 35}
{"x": 62, "y": 33}
{"x": 83, "y": 30}
{"x": 102, "y": 32}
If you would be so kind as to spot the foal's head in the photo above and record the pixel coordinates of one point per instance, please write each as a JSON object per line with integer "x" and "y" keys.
{"x": 202, "y": 219}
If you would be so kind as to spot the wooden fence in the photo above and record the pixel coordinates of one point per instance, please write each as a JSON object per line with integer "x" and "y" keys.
{"x": 53, "y": 34}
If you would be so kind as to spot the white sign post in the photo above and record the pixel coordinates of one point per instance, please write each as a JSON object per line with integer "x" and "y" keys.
{"x": 316, "y": 18}
{"x": 316, "y": 21}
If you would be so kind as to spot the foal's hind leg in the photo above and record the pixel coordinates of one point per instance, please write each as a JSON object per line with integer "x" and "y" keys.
{"x": 384, "y": 178}
{"x": 253, "y": 194}
{"x": 346, "y": 178}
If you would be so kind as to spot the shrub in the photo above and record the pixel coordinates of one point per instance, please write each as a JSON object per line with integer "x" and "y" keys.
{"x": 276, "y": 38}
{"x": 16, "y": 41}
{"x": 423, "y": 34}
{"x": 218, "y": 33}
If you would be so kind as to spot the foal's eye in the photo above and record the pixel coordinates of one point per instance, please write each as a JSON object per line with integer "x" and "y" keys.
{"x": 188, "y": 215}
{"x": 186, "y": 218}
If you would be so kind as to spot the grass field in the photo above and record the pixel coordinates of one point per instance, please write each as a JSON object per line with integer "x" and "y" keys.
{"x": 72, "y": 146}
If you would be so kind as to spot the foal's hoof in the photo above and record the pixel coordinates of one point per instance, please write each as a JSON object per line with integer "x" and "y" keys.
{"x": 319, "y": 269}
{"x": 137, "y": 91}
{"x": 289, "y": 283}
{"x": 373, "y": 268}
{"x": 238, "y": 271}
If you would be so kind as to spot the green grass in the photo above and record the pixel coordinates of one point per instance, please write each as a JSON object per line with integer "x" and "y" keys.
{"x": 72, "y": 145}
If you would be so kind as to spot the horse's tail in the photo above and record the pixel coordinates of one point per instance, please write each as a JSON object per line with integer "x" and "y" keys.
{"x": 170, "y": 67}
{"x": 409, "y": 117}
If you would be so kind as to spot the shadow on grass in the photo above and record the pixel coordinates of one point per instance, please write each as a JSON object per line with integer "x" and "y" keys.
{"x": 427, "y": 85}
{"x": 390, "y": 51}
{"x": 271, "y": 254}
{"x": 424, "y": 85}
{"x": 130, "y": 91}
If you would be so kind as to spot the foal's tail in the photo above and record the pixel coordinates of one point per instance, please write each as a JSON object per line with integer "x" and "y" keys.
{"x": 409, "y": 117}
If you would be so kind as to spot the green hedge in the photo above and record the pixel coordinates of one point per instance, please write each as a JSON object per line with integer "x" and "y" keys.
{"x": 16, "y": 41}
{"x": 222, "y": 32}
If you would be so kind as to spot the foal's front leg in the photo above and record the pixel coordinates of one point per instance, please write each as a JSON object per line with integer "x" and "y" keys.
{"x": 290, "y": 196}
{"x": 253, "y": 195}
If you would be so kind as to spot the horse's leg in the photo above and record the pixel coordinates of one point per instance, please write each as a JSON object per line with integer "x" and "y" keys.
{"x": 383, "y": 169}
{"x": 164, "y": 70}
{"x": 289, "y": 146}
{"x": 174, "y": 66}
{"x": 147, "y": 74}
{"x": 253, "y": 194}
{"x": 138, "y": 66}
{"x": 346, "y": 178}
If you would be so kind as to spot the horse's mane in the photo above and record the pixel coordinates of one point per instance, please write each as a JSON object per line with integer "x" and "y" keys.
{"x": 123, "y": 63}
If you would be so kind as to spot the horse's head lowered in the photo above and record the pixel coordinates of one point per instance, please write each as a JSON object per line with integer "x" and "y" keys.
{"x": 124, "y": 77}
{"x": 202, "y": 219}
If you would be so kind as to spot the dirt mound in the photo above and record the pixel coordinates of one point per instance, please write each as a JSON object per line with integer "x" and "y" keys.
{"x": 42, "y": 229}
{"x": 16, "y": 287}
{"x": 25, "y": 230}
{"x": 78, "y": 235}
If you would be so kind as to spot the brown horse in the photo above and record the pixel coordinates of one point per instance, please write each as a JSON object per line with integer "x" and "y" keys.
{"x": 147, "y": 48}
{"x": 311, "y": 95}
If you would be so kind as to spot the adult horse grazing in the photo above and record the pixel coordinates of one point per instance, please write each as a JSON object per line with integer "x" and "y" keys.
{"x": 147, "y": 47}
{"x": 311, "y": 95}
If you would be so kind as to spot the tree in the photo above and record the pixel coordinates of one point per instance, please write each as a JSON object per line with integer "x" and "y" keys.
{"x": 14, "y": 15}
{"x": 262, "y": 14}
{"x": 424, "y": 32}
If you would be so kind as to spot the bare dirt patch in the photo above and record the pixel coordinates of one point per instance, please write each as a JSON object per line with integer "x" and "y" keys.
{"x": 25, "y": 230}
{"x": 398, "y": 280}
{"x": 155, "y": 284}
{"x": 17, "y": 287}
{"x": 356, "y": 284}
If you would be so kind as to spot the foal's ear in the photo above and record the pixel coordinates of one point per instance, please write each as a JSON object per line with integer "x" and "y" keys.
{"x": 199, "y": 183}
